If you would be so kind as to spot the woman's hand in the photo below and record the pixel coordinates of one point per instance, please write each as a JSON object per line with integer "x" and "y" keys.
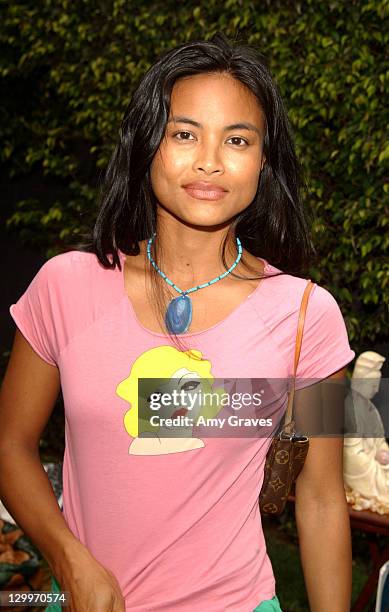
{"x": 92, "y": 587}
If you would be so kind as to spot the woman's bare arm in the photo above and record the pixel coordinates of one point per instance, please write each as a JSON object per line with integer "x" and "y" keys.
{"x": 323, "y": 523}
{"x": 27, "y": 397}
{"x": 28, "y": 394}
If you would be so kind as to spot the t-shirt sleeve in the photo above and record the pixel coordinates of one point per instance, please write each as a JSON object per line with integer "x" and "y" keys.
{"x": 325, "y": 345}
{"x": 35, "y": 314}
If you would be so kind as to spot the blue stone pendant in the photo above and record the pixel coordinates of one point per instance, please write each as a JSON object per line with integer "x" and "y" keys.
{"x": 179, "y": 314}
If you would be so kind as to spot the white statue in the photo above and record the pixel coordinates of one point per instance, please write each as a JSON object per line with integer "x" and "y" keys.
{"x": 366, "y": 458}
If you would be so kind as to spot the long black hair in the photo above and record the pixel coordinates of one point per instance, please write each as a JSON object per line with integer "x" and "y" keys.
{"x": 275, "y": 224}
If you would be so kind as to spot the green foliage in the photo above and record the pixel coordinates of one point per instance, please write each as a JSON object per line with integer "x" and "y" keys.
{"x": 68, "y": 70}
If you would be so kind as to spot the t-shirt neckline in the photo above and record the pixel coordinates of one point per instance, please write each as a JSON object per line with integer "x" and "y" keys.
{"x": 226, "y": 319}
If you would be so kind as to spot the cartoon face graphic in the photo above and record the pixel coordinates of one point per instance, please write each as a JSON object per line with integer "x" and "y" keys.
{"x": 189, "y": 382}
{"x": 162, "y": 372}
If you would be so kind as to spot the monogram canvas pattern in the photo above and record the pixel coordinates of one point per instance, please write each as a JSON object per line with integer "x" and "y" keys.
{"x": 284, "y": 461}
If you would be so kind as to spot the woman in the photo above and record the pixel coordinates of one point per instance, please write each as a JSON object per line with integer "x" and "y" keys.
{"x": 201, "y": 194}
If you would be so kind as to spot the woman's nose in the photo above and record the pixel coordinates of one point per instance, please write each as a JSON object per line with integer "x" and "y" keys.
{"x": 208, "y": 159}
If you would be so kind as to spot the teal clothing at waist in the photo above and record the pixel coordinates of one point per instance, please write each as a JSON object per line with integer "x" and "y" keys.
{"x": 270, "y": 605}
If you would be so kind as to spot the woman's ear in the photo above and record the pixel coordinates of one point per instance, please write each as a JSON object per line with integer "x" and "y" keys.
{"x": 263, "y": 161}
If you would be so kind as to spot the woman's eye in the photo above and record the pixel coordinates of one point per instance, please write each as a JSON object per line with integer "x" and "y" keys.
{"x": 177, "y": 133}
{"x": 190, "y": 385}
{"x": 156, "y": 397}
{"x": 239, "y": 138}
{"x": 239, "y": 141}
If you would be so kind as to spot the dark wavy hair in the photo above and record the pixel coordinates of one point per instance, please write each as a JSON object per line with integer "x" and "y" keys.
{"x": 275, "y": 224}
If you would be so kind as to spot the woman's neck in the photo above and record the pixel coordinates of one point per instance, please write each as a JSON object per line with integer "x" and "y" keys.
{"x": 184, "y": 252}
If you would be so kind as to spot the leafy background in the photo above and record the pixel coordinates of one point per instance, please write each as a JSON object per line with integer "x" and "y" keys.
{"x": 67, "y": 72}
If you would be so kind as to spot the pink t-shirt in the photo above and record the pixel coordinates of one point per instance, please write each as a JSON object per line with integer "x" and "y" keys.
{"x": 180, "y": 528}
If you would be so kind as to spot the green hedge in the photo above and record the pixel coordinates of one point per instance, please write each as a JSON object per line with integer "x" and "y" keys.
{"x": 68, "y": 70}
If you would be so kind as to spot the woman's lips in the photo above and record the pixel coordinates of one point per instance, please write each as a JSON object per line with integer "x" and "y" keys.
{"x": 205, "y": 194}
{"x": 179, "y": 412}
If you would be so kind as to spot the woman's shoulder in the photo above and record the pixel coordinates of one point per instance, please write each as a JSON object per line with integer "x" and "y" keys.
{"x": 74, "y": 281}
{"x": 287, "y": 290}
{"x": 69, "y": 260}
{"x": 325, "y": 345}
{"x": 279, "y": 303}
{"x": 73, "y": 267}
{"x": 69, "y": 292}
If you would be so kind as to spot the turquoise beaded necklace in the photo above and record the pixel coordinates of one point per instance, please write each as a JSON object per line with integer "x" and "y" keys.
{"x": 178, "y": 315}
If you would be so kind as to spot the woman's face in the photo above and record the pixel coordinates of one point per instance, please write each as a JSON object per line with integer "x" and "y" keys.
{"x": 214, "y": 135}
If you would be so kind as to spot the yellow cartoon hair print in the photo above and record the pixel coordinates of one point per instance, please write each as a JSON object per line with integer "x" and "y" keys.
{"x": 148, "y": 421}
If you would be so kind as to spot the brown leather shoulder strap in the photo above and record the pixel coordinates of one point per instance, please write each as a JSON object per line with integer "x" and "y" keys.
{"x": 300, "y": 324}
{"x": 299, "y": 336}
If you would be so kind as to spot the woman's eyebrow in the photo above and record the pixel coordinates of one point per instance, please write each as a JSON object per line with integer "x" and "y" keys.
{"x": 234, "y": 126}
